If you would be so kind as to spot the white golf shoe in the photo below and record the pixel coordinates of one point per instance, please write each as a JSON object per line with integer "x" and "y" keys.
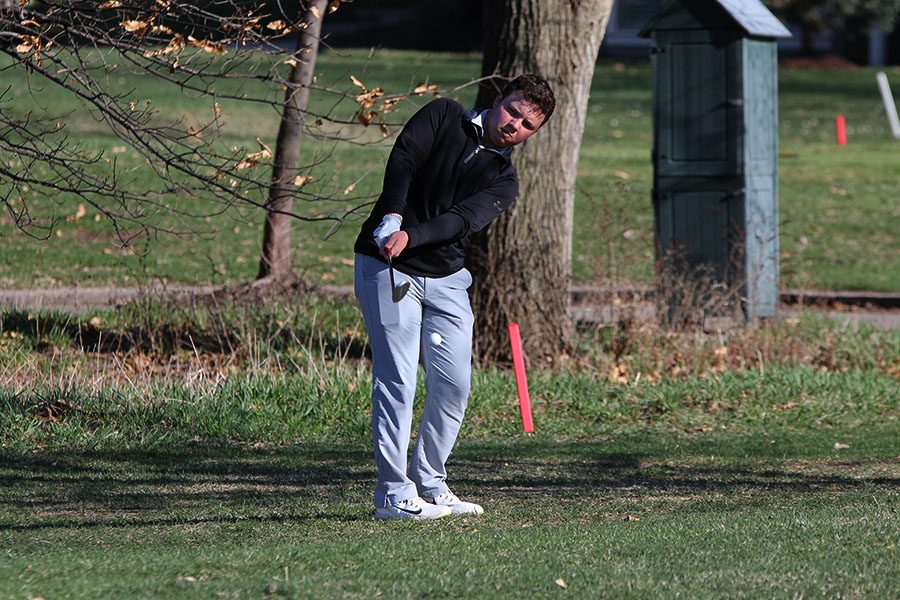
{"x": 414, "y": 509}
{"x": 458, "y": 507}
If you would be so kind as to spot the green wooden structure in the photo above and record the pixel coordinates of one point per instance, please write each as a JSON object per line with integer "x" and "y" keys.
{"x": 715, "y": 149}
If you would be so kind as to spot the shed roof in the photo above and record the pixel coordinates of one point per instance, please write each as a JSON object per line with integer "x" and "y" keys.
{"x": 750, "y": 15}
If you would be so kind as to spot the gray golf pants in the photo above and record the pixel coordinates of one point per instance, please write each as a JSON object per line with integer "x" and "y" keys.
{"x": 400, "y": 336}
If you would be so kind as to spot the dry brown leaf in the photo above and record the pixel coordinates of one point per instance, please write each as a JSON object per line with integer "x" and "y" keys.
{"x": 302, "y": 180}
{"x": 315, "y": 12}
{"x": 366, "y": 117}
{"x": 622, "y": 175}
{"x": 266, "y": 151}
{"x": 631, "y": 518}
{"x": 388, "y": 104}
{"x": 424, "y": 87}
{"x": 276, "y": 25}
{"x": 349, "y": 188}
{"x": 253, "y": 159}
{"x": 217, "y": 108}
{"x": 135, "y": 26}
{"x": 79, "y": 214}
{"x": 561, "y": 583}
{"x": 840, "y": 446}
{"x": 618, "y": 373}
{"x": 357, "y": 82}
{"x": 110, "y": 4}
{"x": 333, "y": 6}
{"x": 208, "y": 45}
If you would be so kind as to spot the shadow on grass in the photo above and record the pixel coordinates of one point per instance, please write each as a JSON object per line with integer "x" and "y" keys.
{"x": 207, "y": 484}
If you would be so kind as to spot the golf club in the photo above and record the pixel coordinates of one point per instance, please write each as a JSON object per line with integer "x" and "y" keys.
{"x": 397, "y": 291}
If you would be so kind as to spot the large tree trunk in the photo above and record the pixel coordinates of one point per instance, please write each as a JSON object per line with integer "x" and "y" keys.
{"x": 523, "y": 262}
{"x": 275, "y": 261}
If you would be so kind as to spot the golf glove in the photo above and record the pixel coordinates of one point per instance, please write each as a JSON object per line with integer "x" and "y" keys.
{"x": 390, "y": 224}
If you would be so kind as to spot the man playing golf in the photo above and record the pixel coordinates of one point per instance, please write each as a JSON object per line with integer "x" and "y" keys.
{"x": 449, "y": 175}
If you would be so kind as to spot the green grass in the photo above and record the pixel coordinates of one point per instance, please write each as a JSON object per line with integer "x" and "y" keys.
{"x": 184, "y": 467}
{"x": 769, "y": 510}
{"x": 837, "y": 204}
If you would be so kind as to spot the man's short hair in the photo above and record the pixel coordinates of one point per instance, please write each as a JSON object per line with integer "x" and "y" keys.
{"x": 535, "y": 90}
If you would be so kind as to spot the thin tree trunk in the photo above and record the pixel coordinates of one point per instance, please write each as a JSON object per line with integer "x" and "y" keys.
{"x": 275, "y": 260}
{"x": 522, "y": 263}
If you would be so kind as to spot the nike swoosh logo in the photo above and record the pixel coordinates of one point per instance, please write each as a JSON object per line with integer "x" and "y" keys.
{"x": 418, "y": 511}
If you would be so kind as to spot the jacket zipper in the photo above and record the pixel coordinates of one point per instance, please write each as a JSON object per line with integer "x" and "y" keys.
{"x": 472, "y": 155}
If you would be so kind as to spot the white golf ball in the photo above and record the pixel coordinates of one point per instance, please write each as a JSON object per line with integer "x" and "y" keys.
{"x": 435, "y": 338}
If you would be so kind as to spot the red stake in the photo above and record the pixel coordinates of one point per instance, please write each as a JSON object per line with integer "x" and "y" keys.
{"x": 841, "y": 124}
{"x": 515, "y": 343}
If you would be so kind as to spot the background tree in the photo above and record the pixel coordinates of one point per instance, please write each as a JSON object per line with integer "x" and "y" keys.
{"x": 816, "y": 16}
{"x": 523, "y": 262}
{"x": 275, "y": 260}
{"x": 227, "y": 52}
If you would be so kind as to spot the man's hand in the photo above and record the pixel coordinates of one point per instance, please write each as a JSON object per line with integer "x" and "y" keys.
{"x": 395, "y": 244}
{"x": 389, "y": 225}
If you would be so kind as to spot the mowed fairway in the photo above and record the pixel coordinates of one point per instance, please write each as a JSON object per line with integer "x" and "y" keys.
{"x": 745, "y": 484}
{"x": 706, "y": 518}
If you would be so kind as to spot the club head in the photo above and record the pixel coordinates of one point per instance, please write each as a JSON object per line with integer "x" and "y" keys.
{"x": 398, "y": 291}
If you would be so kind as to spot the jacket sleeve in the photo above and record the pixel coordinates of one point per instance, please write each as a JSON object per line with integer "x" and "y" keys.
{"x": 467, "y": 217}
{"x": 411, "y": 149}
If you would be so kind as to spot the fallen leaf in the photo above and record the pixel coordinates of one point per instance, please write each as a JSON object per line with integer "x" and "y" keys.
{"x": 561, "y": 583}
{"x": 618, "y": 373}
{"x": 840, "y": 446}
{"x": 78, "y": 214}
{"x": 631, "y": 518}
{"x": 622, "y": 175}
{"x": 349, "y": 188}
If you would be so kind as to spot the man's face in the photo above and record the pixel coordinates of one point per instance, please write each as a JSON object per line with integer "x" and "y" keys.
{"x": 512, "y": 120}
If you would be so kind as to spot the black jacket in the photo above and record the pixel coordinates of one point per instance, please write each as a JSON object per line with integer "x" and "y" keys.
{"x": 446, "y": 186}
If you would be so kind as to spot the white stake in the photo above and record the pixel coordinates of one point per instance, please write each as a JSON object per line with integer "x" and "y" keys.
{"x": 889, "y": 107}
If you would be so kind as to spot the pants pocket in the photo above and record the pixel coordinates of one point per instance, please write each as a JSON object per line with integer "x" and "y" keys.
{"x": 373, "y": 287}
